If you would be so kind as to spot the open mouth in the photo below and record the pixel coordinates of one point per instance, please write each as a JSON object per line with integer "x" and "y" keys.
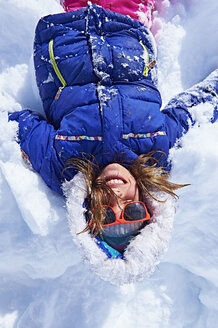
{"x": 115, "y": 181}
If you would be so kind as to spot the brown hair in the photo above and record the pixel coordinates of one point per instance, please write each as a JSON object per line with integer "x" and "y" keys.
{"x": 148, "y": 174}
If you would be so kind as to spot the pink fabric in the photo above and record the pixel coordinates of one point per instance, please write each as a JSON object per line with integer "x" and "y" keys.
{"x": 140, "y": 10}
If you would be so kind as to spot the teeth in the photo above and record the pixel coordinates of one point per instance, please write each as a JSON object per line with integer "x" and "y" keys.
{"x": 116, "y": 181}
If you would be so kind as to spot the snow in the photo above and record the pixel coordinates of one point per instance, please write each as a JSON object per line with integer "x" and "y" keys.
{"x": 43, "y": 281}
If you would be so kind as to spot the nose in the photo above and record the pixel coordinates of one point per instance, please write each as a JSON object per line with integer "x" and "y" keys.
{"x": 118, "y": 207}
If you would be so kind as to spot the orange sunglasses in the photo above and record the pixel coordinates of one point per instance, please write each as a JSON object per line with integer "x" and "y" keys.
{"x": 134, "y": 211}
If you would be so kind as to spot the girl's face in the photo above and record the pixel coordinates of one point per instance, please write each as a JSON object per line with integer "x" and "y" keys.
{"x": 122, "y": 183}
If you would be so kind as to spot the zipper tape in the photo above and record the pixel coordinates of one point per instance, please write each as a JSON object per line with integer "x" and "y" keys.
{"x": 54, "y": 65}
{"x": 146, "y": 68}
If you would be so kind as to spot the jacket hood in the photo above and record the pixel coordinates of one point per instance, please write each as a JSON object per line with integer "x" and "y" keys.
{"x": 143, "y": 253}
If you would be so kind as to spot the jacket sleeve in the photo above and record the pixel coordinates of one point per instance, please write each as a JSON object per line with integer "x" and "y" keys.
{"x": 36, "y": 138}
{"x": 177, "y": 112}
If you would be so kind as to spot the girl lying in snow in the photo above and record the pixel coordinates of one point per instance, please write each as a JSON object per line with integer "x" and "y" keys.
{"x": 96, "y": 73}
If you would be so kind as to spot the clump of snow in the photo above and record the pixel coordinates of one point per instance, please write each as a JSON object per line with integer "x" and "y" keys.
{"x": 43, "y": 280}
{"x": 202, "y": 113}
{"x": 8, "y": 320}
{"x": 49, "y": 78}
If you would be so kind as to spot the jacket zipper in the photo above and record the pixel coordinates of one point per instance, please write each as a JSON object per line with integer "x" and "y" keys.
{"x": 147, "y": 64}
{"x": 56, "y": 69}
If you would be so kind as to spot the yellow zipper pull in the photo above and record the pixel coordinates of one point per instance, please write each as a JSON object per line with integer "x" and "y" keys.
{"x": 147, "y": 64}
{"x": 58, "y": 93}
{"x": 151, "y": 64}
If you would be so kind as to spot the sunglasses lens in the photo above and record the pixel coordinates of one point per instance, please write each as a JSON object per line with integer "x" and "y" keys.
{"x": 134, "y": 212}
{"x": 109, "y": 216}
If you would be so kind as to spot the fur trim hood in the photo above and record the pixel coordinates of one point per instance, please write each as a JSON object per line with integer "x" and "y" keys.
{"x": 143, "y": 253}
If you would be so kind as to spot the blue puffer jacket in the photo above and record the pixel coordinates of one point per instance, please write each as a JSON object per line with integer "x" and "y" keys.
{"x": 93, "y": 70}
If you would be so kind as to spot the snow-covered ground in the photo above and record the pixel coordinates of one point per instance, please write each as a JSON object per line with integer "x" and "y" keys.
{"x": 43, "y": 282}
